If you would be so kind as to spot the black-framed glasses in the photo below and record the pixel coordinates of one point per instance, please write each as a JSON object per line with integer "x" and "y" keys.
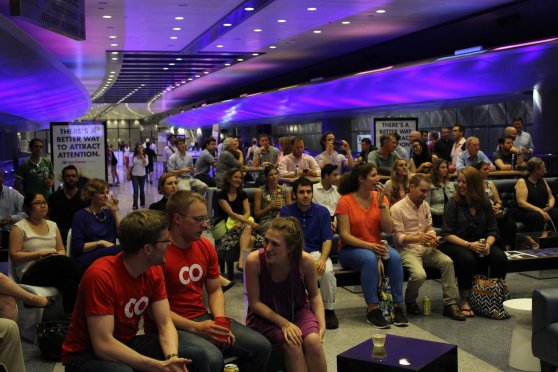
{"x": 44, "y": 202}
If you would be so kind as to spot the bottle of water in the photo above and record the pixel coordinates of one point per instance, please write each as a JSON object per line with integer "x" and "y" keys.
{"x": 296, "y": 170}
{"x": 513, "y": 161}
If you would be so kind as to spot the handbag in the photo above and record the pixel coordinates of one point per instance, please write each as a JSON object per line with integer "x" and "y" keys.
{"x": 487, "y": 297}
{"x": 384, "y": 293}
{"x": 219, "y": 230}
{"x": 50, "y": 336}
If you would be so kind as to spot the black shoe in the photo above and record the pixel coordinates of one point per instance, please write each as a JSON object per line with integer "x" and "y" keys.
{"x": 453, "y": 312}
{"x": 412, "y": 308}
{"x": 399, "y": 318}
{"x": 228, "y": 286}
{"x": 331, "y": 319}
{"x": 376, "y": 318}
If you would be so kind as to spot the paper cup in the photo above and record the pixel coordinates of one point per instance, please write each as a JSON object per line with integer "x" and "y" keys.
{"x": 223, "y": 321}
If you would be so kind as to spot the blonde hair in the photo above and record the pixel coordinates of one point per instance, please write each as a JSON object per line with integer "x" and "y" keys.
{"x": 92, "y": 187}
{"x": 292, "y": 233}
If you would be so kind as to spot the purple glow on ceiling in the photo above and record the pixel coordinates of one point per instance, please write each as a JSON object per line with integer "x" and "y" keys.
{"x": 35, "y": 85}
{"x": 473, "y": 76}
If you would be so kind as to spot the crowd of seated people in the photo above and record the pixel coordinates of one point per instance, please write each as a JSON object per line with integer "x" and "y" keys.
{"x": 287, "y": 311}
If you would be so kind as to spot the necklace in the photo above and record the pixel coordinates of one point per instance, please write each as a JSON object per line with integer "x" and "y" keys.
{"x": 100, "y": 216}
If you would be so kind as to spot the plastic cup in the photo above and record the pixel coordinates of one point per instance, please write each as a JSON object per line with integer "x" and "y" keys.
{"x": 223, "y": 321}
{"x": 379, "y": 340}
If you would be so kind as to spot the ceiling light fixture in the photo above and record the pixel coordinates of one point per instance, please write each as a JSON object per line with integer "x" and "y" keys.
{"x": 107, "y": 17}
{"x": 240, "y": 59}
{"x": 227, "y": 24}
{"x": 171, "y": 64}
{"x": 346, "y": 23}
{"x": 281, "y": 20}
{"x": 272, "y": 47}
{"x": 380, "y": 11}
{"x": 258, "y": 30}
{"x": 312, "y": 9}
{"x": 114, "y": 45}
{"x": 114, "y": 59}
{"x": 174, "y": 37}
{"x": 248, "y": 9}
{"x": 526, "y": 44}
{"x": 255, "y": 54}
{"x": 179, "y": 18}
{"x": 179, "y": 59}
{"x": 227, "y": 64}
{"x": 176, "y": 29}
{"x": 317, "y": 31}
{"x": 197, "y": 76}
{"x": 112, "y": 37}
{"x": 219, "y": 46}
{"x": 165, "y": 68}
{"x": 114, "y": 52}
{"x": 373, "y": 71}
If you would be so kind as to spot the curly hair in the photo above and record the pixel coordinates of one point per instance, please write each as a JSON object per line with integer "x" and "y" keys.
{"x": 92, "y": 187}
{"x": 227, "y": 180}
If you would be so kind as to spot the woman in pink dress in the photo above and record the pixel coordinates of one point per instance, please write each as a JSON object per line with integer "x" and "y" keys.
{"x": 285, "y": 304}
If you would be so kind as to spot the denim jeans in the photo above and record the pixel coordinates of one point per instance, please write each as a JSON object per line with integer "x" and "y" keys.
{"x": 252, "y": 348}
{"x": 148, "y": 345}
{"x": 366, "y": 261}
{"x": 138, "y": 181}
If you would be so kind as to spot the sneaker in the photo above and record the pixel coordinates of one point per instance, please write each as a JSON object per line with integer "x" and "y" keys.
{"x": 412, "y": 308}
{"x": 399, "y": 318}
{"x": 331, "y": 319}
{"x": 376, "y": 318}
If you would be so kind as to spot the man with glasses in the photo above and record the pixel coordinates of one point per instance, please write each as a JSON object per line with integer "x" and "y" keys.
{"x": 113, "y": 295}
{"x": 191, "y": 263}
{"x": 458, "y": 142}
{"x": 35, "y": 175}
{"x": 65, "y": 202}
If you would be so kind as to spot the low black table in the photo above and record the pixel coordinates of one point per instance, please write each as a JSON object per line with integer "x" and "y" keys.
{"x": 403, "y": 354}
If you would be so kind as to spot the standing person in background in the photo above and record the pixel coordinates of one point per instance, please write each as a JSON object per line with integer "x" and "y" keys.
{"x": 432, "y": 138}
{"x": 424, "y": 135}
{"x": 66, "y": 201}
{"x": 523, "y": 140}
{"x": 169, "y": 149}
{"x": 113, "y": 163}
{"x": 297, "y": 163}
{"x": 137, "y": 172}
{"x": 127, "y": 154}
{"x": 441, "y": 190}
{"x": 251, "y": 151}
{"x": 152, "y": 157}
{"x": 284, "y": 302}
{"x": 458, "y": 141}
{"x": 205, "y": 161}
{"x": 36, "y": 173}
{"x": 398, "y": 185}
{"x": 330, "y": 156}
{"x": 443, "y": 146}
{"x": 265, "y": 154}
{"x": 11, "y": 210}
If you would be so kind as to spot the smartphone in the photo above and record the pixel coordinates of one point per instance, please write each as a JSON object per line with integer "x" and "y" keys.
{"x": 338, "y": 143}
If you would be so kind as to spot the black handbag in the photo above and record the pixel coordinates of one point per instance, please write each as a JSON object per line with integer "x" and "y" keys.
{"x": 51, "y": 335}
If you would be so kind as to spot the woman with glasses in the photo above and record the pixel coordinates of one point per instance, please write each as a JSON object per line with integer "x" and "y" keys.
{"x": 397, "y": 186}
{"x": 94, "y": 227}
{"x": 137, "y": 173}
{"x": 421, "y": 161}
{"x": 441, "y": 190}
{"x": 38, "y": 253}
{"x": 270, "y": 198}
{"x": 233, "y": 206}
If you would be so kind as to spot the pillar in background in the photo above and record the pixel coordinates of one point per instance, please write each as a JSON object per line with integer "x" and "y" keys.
{"x": 545, "y": 123}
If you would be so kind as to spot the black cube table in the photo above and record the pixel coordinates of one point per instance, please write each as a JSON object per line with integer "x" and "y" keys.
{"x": 403, "y": 354}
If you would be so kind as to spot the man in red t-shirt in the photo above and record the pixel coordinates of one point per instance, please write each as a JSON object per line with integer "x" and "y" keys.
{"x": 112, "y": 297}
{"x": 191, "y": 263}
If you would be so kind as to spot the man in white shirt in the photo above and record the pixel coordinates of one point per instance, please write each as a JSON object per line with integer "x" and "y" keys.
{"x": 523, "y": 140}
{"x": 458, "y": 142}
{"x": 169, "y": 150}
{"x": 417, "y": 243}
{"x": 325, "y": 192}
{"x": 298, "y": 163}
{"x": 181, "y": 165}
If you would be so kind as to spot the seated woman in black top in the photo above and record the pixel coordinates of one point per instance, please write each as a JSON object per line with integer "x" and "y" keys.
{"x": 168, "y": 185}
{"x": 468, "y": 218}
{"x": 535, "y": 202}
{"x": 233, "y": 206}
{"x": 420, "y": 160}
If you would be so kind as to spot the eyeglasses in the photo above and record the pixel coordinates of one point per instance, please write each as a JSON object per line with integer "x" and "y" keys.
{"x": 44, "y": 202}
{"x": 198, "y": 219}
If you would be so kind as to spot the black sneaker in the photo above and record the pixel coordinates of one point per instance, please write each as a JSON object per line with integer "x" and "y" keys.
{"x": 376, "y": 318}
{"x": 331, "y": 319}
{"x": 399, "y": 318}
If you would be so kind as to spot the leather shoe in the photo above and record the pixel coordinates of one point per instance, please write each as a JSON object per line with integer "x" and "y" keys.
{"x": 413, "y": 308}
{"x": 453, "y": 312}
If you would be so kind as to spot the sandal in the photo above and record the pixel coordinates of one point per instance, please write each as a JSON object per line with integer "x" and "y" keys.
{"x": 467, "y": 311}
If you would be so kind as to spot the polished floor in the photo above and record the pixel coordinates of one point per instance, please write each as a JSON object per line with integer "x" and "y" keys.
{"x": 483, "y": 344}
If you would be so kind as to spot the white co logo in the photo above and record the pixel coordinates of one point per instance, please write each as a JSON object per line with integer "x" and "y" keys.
{"x": 139, "y": 306}
{"x": 195, "y": 272}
